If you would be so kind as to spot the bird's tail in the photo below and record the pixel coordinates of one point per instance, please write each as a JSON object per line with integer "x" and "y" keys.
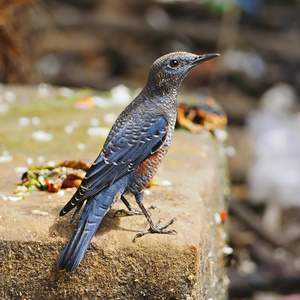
{"x": 94, "y": 211}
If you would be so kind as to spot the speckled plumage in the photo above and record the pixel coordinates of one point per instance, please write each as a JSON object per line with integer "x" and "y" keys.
{"x": 132, "y": 153}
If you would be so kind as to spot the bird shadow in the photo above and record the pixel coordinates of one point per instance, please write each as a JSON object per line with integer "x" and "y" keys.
{"x": 62, "y": 227}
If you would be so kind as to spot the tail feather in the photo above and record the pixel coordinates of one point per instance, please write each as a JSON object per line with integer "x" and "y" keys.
{"x": 93, "y": 213}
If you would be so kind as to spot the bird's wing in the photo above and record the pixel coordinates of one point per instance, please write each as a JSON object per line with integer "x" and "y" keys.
{"x": 123, "y": 151}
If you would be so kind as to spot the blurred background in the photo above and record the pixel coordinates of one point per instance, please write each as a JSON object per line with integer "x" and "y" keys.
{"x": 101, "y": 44}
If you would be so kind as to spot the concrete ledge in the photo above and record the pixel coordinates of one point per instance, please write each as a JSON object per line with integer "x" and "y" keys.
{"x": 188, "y": 265}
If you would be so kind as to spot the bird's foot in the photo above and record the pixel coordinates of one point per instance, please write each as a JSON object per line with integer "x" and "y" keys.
{"x": 157, "y": 229}
{"x": 133, "y": 211}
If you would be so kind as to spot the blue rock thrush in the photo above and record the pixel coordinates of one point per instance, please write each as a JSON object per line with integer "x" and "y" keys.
{"x": 131, "y": 155}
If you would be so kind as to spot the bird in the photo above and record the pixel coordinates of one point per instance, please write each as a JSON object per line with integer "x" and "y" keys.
{"x": 131, "y": 155}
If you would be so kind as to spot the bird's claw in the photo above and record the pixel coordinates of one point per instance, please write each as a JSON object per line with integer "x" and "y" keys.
{"x": 133, "y": 211}
{"x": 156, "y": 229}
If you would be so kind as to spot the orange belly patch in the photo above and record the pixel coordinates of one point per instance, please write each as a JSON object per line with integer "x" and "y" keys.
{"x": 151, "y": 164}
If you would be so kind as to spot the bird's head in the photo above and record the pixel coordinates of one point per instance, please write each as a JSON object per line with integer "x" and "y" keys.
{"x": 169, "y": 70}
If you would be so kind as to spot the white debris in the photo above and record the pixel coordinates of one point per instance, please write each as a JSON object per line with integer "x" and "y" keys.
{"x": 120, "y": 96}
{"x": 98, "y": 131}
{"x": 41, "y": 159}
{"x": 23, "y": 122}
{"x": 210, "y": 254}
{"x": 20, "y": 189}
{"x": 5, "y": 157}
{"x": 69, "y": 128}
{"x": 4, "y": 107}
{"x": 29, "y": 161}
{"x": 43, "y": 136}
{"x": 12, "y": 198}
{"x": 21, "y": 170}
{"x": 218, "y": 219}
{"x": 227, "y": 250}
{"x": 230, "y": 151}
{"x": 221, "y": 134}
{"x": 247, "y": 267}
{"x": 51, "y": 163}
{"x": 5, "y": 152}
{"x": 35, "y": 121}
{"x": 39, "y": 212}
{"x": 166, "y": 183}
{"x": 110, "y": 118}
{"x": 61, "y": 193}
{"x": 65, "y": 92}
{"x": 10, "y": 96}
{"x": 94, "y": 122}
{"x": 102, "y": 102}
{"x": 44, "y": 89}
{"x": 81, "y": 146}
{"x": 147, "y": 192}
{"x": 42, "y": 180}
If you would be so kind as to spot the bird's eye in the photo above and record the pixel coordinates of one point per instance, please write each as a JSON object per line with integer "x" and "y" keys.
{"x": 174, "y": 63}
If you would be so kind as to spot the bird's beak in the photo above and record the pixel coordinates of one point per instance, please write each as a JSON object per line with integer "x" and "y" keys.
{"x": 202, "y": 58}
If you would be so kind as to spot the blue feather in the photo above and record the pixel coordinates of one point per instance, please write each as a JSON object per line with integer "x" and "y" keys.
{"x": 121, "y": 158}
{"x": 93, "y": 213}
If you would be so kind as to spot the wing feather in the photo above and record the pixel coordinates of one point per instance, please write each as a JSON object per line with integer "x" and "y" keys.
{"x": 122, "y": 152}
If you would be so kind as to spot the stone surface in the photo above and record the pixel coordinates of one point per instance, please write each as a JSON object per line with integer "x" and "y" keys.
{"x": 188, "y": 265}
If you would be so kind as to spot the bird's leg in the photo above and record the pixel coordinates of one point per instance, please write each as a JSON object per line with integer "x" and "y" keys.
{"x": 153, "y": 228}
{"x": 131, "y": 210}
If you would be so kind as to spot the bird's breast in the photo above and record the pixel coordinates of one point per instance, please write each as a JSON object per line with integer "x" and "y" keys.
{"x": 143, "y": 174}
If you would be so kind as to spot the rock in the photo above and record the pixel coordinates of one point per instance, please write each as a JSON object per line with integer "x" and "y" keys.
{"x": 188, "y": 265}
